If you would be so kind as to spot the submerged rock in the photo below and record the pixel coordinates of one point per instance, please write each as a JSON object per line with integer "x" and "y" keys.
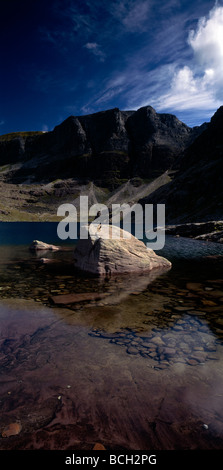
{"x": 99, "y": 446}
{"x": 107, "y": 249}
{"x": 11, "y": 429}
{"x": 66, "y": 299}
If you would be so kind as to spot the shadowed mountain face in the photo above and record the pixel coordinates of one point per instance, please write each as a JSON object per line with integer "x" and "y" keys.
{"x": 106, "y": 147}
{"x": 156, "y": 140}
{"x": 116, "y": 156}
{"x": 196, "y": 192}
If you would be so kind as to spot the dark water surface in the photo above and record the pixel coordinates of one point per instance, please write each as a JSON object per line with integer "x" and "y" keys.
{"x": 140, "y": 368}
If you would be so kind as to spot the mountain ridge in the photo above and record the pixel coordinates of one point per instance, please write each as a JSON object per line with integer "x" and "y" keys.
{"x": 106, "y": 147}
{"x": 137, "y": 156}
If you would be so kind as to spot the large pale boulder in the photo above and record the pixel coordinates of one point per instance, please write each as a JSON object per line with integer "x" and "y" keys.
{"x": 111, "y": 250}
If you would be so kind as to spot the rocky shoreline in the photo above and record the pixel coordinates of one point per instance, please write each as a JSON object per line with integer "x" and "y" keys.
{"x": 208, "y": 231}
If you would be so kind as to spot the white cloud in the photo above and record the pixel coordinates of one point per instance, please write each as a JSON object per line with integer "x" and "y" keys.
{"x": 199, "y": 85}
{"x": 108, "y": 95}
{"x": 2, "y": 123}
{"x": 96, "y": 50}
{"x": 207, "y": 40}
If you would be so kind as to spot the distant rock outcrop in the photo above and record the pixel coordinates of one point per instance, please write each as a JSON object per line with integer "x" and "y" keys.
{"x": 111, "y": 250}
{"x": 13, "y": 147}
{"x": 11, "y": 151}
{"x": 209, "y": 231}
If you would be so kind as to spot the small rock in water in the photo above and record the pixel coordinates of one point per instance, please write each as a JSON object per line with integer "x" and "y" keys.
{"x": 208, "y": 302}
{"x": 170, "y": 351}
{"x": 194, "y": 286}
{"x": 39, "y": 245}
{"x": 192, "y": 362}
{"x": 199, "y": 356}
{"x": 180, "y": 309}
{"x": 98, "y": 446}
{"x": 157, "y": 340}
{"x": 148, "y": 345}
{"x": 132, "y": 350}
{"x": 65, "y": 299}
{"x": 11, "y": 429}
{"x": 212, "y": 357}
{"x": 177, "y": 328}
{"x": 152, "y": 354}
{"x": 205, "y": 426}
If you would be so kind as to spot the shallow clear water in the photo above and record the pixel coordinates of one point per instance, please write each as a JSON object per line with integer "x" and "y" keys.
{"x": 140, "y": 367}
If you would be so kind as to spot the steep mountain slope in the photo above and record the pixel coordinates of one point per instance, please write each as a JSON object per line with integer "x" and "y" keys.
{"x": 196, "y": 192}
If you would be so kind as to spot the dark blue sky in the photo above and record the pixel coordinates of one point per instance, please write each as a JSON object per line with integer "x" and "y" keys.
{"x": 63, "y": 57}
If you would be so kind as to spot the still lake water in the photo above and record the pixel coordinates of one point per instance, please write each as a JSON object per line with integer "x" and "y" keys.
{"x": 140, "y": 368}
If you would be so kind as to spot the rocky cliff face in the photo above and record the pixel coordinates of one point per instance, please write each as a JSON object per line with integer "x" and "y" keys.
{"x": 106, "y": 147}
{"x": 196, "y": 192}
{"x": 156, "y": 140}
